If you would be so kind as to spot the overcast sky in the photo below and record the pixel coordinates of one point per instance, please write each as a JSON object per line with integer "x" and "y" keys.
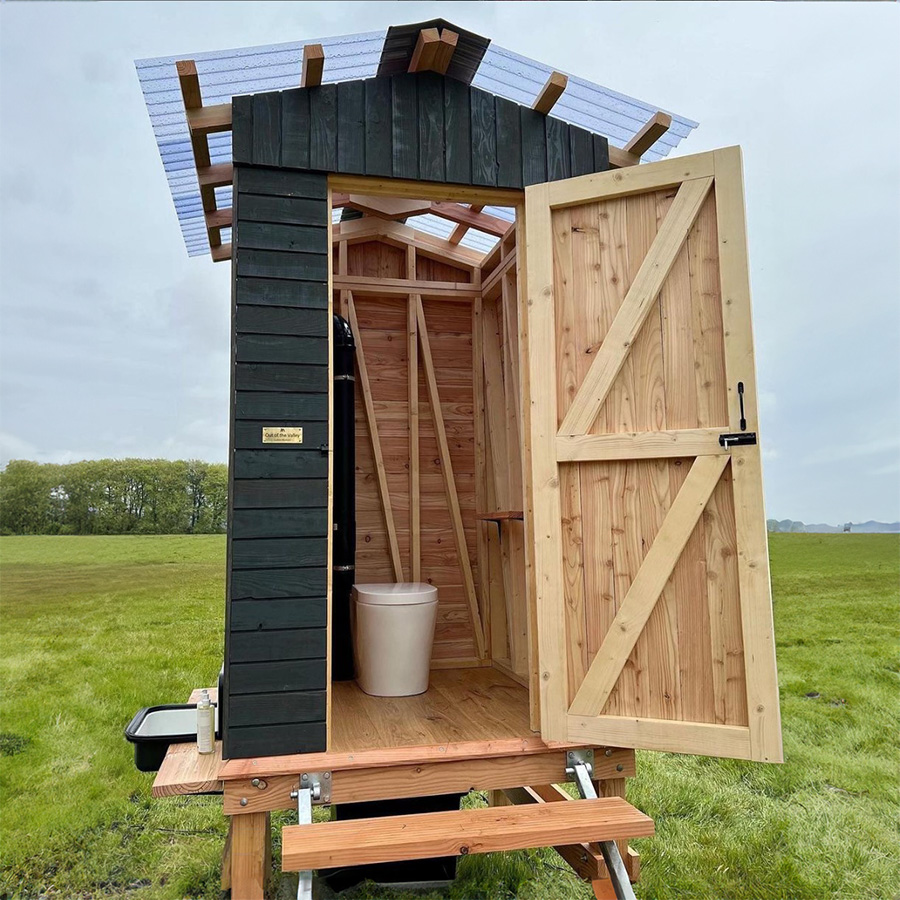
{"x": 115, "y": 343}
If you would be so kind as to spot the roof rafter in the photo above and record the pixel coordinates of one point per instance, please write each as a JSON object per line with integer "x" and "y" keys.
{"x": 550, "y": 93}
{"x": 313, "y": 65}
{"x": 434, "y": 50}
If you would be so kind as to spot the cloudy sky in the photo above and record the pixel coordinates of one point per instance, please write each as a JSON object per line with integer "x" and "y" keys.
{"x": 114, "y": 343}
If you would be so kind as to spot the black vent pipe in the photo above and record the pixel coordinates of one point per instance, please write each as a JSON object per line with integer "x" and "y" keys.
{"x": 343, "y": 500}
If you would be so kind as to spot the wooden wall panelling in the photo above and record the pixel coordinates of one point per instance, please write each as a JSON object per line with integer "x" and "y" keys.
{"x": 278, "y": 521}
{"x": 412, "y": 126}
{"x": 384, "y": 325}
{"x": 502, "y": 451}
{"x": 449, "y": 481}
{"x": 513, "y": 531}
{"x": 374, "y": 437}
{"x": 481, "y": 553}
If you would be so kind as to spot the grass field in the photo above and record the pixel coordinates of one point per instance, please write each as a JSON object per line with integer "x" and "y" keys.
{"x": 93, "y": 628}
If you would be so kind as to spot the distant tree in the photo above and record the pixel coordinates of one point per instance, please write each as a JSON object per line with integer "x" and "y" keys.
{"x": 25, "y": 500}
{"x": 113, "y": 496}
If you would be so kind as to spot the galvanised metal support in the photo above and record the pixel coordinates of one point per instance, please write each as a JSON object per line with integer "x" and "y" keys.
{"x": 579, "y": 767}
{"x": 304, "y": 797}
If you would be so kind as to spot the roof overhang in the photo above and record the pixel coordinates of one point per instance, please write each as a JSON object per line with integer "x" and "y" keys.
{"x": 222, "y": 75}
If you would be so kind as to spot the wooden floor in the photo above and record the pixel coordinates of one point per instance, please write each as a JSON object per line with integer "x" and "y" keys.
{"x": 460, "y": 705}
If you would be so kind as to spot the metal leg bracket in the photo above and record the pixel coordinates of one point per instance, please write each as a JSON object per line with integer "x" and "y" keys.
{"x": 580, "y": 767}
{"x": 304, "y": 798}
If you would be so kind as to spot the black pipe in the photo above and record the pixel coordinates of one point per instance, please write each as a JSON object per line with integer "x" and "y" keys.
{"x": 343, "y": 500}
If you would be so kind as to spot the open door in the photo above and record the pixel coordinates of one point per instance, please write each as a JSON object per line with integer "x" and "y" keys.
{"x": 650, "y": 563}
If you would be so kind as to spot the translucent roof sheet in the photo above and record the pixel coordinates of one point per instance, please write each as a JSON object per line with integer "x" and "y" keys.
{"x": 251, "y": 70}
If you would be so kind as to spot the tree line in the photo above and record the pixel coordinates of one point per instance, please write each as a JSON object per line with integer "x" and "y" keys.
{"x": 114, "y": 496}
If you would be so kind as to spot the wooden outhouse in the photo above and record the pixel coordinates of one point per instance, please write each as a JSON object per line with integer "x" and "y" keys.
{"x": 560, "y": 434}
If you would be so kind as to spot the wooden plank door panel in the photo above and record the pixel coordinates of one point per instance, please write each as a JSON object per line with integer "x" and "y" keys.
{"x": 651, "y": 579}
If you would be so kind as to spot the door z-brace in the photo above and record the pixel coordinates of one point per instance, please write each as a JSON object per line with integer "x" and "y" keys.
{"x": 580, "y": 768}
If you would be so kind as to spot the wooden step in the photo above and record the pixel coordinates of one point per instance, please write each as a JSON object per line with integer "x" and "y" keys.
{"x": 456, "y": 833}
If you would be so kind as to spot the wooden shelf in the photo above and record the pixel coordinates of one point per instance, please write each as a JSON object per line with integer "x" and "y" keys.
{"x": 505, "y": 516}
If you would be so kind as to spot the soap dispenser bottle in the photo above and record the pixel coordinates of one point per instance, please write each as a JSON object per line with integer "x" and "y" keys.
{"x": 206, "y": 724}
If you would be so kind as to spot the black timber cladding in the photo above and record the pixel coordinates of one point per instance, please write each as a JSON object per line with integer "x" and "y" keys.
{"x": 421, "y": 127}
{"x": 274, "y": 696}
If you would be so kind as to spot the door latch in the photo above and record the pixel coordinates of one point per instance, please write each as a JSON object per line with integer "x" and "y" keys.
{"x": 737, "y": 439}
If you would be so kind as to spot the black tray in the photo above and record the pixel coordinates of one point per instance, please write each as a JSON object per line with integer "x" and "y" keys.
{"x": 155, "y": 727}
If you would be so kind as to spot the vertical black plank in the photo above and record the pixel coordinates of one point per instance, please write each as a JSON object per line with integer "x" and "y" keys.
{"x": 484, "y": 138}
{"x": 351, "y": 129}
{"x": 557, "y": 150}
{"x": 267, "y": 129}
{"x": 404, "y": 126}
{"x": 534, "y": 147}
{"x": 323, "y": 128}
{"x": 457, "y": 132}
{"x": 509, "y": 144}
{"x": 431, "y": 127}
{"x": 295, "y": 128}
{"x": 581, "y": 151}
{"x": 601, "y": 153}
{"x": 242, "y": 129}
{"x": 278, "y": 496}
{"x": 378, "y": 126}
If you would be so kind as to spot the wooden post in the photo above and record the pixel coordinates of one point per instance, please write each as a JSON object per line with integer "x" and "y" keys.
{"x": 412, "y": 349}
{"x": 226, "y": 857}
{"x": 250, "y": 848}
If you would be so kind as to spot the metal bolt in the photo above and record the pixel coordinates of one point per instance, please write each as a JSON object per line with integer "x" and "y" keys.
{"x": 619, "y": 767}
{"x": 259, "y": 784}
{"x": 243, "y": 801}
{"x": 327, "y": 775}
{"x": 304, "y": 777}
{"x": 609, "y": 753}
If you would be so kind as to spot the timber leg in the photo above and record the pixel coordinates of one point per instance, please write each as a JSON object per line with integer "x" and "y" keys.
{"x": 250, "y": 848}
{"x": 615, "y": 787}
{"x": 226, "y": 857}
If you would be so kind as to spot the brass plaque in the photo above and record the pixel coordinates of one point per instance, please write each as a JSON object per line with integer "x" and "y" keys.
{"x": 278, "y": 434}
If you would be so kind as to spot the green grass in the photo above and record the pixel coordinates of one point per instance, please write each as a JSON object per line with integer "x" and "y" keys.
{"x": 93, "y": 628}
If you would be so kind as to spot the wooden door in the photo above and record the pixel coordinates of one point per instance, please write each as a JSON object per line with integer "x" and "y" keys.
{"x": 650, "y": 564}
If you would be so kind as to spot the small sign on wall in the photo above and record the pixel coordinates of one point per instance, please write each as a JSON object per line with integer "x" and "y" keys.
{"x": 279, "y": 434}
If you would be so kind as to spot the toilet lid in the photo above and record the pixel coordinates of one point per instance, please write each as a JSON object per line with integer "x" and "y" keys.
{"x": 403, "y": 594}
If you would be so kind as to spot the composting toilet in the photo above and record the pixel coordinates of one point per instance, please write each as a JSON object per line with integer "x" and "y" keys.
{"x": 393, "y": 631}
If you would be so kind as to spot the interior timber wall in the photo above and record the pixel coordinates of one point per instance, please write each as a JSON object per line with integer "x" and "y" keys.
{"x": 502, "y": 539}
{"x": 383, "y": 327}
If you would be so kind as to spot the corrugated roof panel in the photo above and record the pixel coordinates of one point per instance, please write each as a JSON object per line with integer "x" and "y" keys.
{"x": 248, "y": 70}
